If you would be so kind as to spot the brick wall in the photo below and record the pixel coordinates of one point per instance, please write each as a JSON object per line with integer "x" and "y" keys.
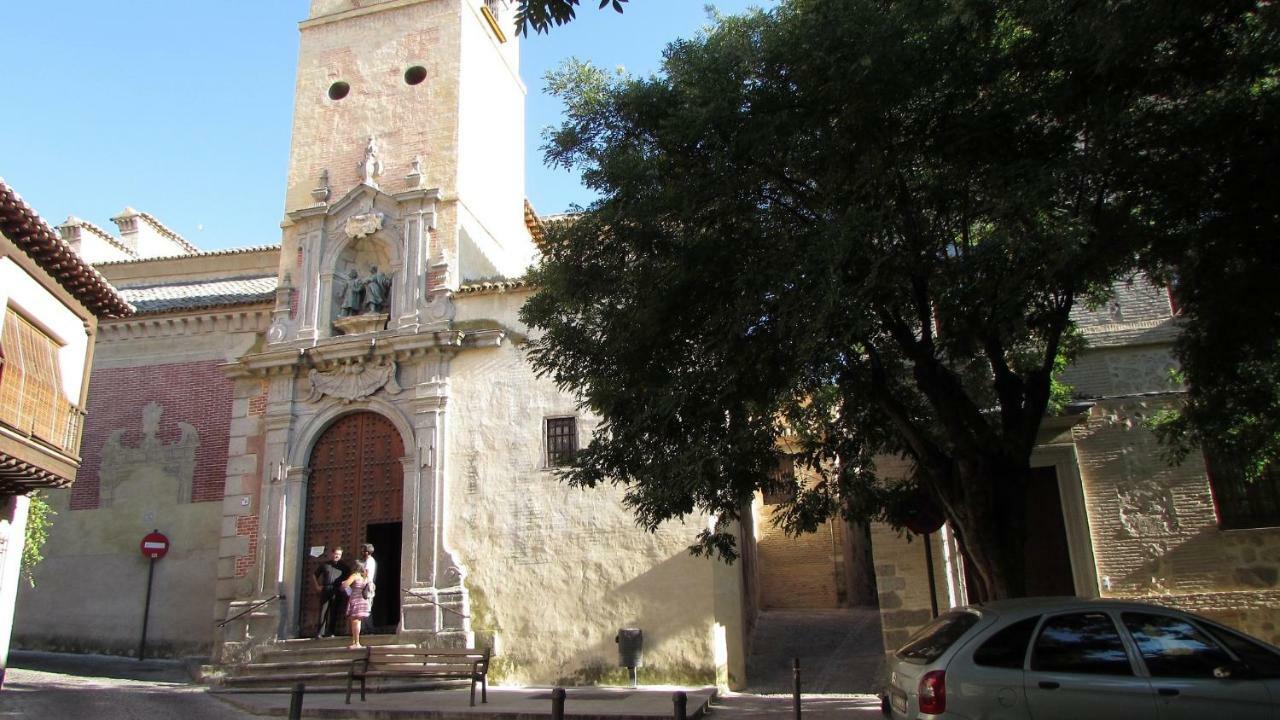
{"x": 247, "y": 526}
{"x": 196, "y": 393}
{"x": 799, "y": 572}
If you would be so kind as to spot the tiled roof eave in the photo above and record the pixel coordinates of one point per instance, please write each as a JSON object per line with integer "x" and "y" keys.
{"x": 26, "y": 229}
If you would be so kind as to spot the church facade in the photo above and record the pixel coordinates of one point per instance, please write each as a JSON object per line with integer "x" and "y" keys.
{"x": 364, "y": 381}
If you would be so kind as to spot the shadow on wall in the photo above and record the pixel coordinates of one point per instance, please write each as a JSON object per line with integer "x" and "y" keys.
{"x": 1230, "y": 576}
{"x": 664, "y": 602}
{"x": 1211, "y": 560}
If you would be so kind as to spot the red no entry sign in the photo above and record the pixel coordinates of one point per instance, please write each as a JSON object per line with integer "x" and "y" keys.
{"x": 155, "y": 545}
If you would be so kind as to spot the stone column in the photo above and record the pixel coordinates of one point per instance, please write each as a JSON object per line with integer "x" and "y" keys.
{"x": 294, "y": 504}
{"x": 438, "y": 602}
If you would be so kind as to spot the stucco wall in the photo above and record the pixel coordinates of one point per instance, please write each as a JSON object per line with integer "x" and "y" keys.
{"x": 90, "y": 587}
{"x": 555, "y": 571}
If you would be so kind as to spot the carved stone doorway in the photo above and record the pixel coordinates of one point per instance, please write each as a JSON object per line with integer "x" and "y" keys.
{"x": 356, "y": 480}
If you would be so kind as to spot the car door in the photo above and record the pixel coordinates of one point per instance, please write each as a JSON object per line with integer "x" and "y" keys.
{"x": 1183, "y": 661}
{"x": 1081, "y": 669}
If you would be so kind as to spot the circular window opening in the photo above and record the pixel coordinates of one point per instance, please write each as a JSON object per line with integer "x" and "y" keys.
{"x": 415, "y": 74}
{"x": 338, "y": 90}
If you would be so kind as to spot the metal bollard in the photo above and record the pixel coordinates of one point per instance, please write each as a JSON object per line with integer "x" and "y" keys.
{"x": 795, "y": 668}
{"x": 557, "y": 704}
{"x": 295, "y": 702}
{"x": 681, "y": 701}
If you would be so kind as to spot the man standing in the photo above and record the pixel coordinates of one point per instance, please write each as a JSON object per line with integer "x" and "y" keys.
{"x": 327, "y": 580}
{"x": 366, "y": 557}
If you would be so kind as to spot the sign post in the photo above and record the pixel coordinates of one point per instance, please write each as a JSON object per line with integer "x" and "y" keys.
{"x": 154, "y": 546}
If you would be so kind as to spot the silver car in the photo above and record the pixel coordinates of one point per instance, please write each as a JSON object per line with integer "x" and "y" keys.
{"x": 1075, "y": 659}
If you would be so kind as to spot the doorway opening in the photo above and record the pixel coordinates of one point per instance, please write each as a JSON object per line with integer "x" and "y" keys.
{"x": 356, "y": 484}
{"x": 384, "y": 615}
{"x": 1047, "y": 556}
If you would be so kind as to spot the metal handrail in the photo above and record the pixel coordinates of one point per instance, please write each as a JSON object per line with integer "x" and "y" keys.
{"x": 249, "y": 609}
{"x": 433, "y": 602}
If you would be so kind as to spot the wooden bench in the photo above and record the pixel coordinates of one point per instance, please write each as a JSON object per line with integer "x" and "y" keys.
{"x": 429, "y": 663}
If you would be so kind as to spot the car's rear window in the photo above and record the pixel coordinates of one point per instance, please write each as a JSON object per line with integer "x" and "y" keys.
{"x": 933, "y": 639}
{"x": 1008, "y": 647}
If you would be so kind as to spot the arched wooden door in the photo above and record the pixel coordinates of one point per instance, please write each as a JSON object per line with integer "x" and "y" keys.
{"x": 356, "y": 481}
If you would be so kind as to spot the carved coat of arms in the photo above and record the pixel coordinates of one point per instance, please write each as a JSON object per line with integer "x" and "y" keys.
{"x": 353, "y": 381}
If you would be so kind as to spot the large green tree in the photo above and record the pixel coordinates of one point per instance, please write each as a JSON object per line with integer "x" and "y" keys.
{"x": 865, "y": 224}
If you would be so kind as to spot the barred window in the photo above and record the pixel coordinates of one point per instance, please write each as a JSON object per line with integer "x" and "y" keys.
{"x": 562, "y": 440}
{"x": 31, "y": 397}
{"x": 1242, "y": 504}
{"x": 782, "y": 485}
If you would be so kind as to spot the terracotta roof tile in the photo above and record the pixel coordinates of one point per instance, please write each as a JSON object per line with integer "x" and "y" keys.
{"x": 41, "y": 243}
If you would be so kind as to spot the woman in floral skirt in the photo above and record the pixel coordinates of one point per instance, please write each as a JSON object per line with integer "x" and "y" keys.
{"x": 358, "y": 605}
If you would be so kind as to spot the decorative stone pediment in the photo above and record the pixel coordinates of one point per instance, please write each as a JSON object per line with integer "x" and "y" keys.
{"x": 353, "y": 380}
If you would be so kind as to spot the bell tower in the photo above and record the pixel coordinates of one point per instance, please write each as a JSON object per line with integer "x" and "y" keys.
{"x": 406, "y": 157}
{"x": 405, "y": 180}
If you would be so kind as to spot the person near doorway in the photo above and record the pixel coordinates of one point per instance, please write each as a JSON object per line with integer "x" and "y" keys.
{"x": 370, "y": 564}
{"x": 328, "y": 581}
{"x": 358, "y": 605}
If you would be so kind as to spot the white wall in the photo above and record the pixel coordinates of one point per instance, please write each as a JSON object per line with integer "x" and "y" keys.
{"x": 491, "y": 142}
{"x": 20, "y": 290}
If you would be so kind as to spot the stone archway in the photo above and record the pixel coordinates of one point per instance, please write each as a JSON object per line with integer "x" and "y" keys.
{"x": 356, "y": 487}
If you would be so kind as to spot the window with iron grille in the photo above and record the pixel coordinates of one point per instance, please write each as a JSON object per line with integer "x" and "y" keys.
{"x": 1241, "y": 503}
{"x": 562, "y": 440}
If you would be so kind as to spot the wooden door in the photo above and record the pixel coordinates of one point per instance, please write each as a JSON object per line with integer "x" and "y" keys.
{"x": 357, "y": 479}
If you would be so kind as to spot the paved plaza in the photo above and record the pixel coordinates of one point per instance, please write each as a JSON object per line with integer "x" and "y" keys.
{"x": 53, "y": 686}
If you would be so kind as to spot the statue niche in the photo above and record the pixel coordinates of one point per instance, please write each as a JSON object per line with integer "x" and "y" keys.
{"x": 361, "y": 290}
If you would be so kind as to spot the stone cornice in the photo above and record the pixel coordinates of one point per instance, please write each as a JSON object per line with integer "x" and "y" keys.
{"x": 214, "y": 320}
{"x": 342, "y": 350}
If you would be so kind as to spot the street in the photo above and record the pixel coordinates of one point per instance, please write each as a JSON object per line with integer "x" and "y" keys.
{"x": 49, "y": 686}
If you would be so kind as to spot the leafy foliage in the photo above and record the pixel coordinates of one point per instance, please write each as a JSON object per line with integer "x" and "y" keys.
{"x": 39, "y": 516}
{"x": 863, "y": 226}
{"x": 541, "y": 15}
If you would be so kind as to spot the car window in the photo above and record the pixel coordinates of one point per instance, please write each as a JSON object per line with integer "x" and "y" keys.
{"x": 1007, "y": 648}
{"x": 1174, "y": 648}
{"x": 933, "y": 639}
{"x": 1080, "y": 643}
{"x": 1261, "y": 659}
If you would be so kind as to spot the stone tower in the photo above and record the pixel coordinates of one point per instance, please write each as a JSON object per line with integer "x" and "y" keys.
{"x": 407, "y": 134}
{"x": 405, "y": 180}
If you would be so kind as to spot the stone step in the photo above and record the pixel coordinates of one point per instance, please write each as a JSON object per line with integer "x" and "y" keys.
{"x": 312, "y": 653}
{"x": 288, "y": 678}
{"x": 296, "y": 666}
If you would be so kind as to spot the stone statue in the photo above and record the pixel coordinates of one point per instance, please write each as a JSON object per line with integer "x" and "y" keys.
{"x": 376, "y": 287}
{"x": 352, "y": 294}
{"x": 371, "y": 167}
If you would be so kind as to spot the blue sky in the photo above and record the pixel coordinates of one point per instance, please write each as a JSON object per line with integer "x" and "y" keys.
{"x": 183, "y": 109}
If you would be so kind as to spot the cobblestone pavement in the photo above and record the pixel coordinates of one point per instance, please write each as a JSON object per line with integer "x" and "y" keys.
{"x": 840, "y": 651}
{"x": 92, "y": 687}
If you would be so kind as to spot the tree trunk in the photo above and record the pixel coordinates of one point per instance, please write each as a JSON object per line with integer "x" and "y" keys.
{"x": 988, "y": 511}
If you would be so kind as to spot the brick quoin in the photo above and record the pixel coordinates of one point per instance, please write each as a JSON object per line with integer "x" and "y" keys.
{"x": 247, "y": 525}
{"x": 258, "y": 403}
{"x": 195, "y": 393}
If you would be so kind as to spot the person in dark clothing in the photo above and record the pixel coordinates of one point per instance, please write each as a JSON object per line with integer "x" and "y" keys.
{"x": 327, "y": 580}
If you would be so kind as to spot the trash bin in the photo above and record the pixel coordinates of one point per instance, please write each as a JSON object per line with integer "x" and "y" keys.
{"x": 630, "y": 644}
